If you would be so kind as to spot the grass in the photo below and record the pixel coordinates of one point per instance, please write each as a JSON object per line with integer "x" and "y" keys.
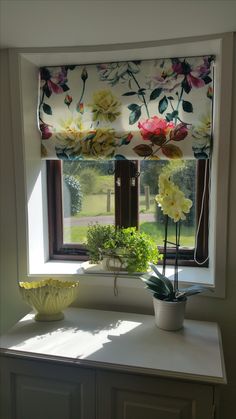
{"x": 156, "y": 231}
{"x": 96, "y": 204}
{"x": 77, "y": 234}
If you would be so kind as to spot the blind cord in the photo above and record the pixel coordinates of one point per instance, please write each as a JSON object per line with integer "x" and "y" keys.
{"x": 201, "y": 213}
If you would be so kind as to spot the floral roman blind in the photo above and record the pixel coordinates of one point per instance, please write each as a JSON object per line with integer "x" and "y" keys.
{"x": 151, "y": 109}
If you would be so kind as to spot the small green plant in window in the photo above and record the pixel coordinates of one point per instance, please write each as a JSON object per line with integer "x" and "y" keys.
{"x": 132, "y": 249}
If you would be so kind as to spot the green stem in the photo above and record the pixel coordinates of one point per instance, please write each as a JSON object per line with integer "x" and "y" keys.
{"x": 179, "y": 100}
{"x": 177, "y": 239}
{"x": 142, "y": 94}
{"x": 159, "y": 148}
{"x": 165, "y": 245}
{"x": 41, "y": 101}
{"x": 82, "y": 94}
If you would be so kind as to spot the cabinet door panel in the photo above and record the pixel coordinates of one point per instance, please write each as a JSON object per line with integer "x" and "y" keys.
{"x": 41, "y": 390}
{"x": 46, "y": 398}
{"x": 125, "y": 396}
{"x": 137, "y": 405}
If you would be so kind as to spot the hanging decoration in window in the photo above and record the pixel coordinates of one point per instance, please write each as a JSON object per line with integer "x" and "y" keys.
{"x": 151, "y": 109}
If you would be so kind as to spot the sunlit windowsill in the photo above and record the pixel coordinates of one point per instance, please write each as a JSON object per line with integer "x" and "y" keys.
{"x": 88, "y": 272}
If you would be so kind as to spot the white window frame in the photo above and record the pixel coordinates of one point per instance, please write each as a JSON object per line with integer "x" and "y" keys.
{"x": 30, "y": 170}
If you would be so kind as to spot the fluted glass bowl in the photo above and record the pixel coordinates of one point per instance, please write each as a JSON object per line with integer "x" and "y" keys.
{"x": 49, "y": 297}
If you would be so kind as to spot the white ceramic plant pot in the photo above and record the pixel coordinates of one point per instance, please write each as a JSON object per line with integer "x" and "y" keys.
{"x": 110, "y": 263}
{"x": 169, "y": 315}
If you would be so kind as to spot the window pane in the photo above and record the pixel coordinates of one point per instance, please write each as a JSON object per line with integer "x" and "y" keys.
{"x": 150, "y": 215}
{"x": 88, "y": 197}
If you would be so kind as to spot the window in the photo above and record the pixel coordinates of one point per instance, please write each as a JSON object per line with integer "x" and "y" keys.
{"x": 121, "y": 193}
{"x": 30, "y": 170}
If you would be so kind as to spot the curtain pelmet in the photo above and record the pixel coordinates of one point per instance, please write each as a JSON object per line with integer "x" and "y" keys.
{"x": 152, "y": 109}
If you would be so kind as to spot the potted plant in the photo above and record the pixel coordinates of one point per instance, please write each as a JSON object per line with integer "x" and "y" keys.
{"x": 169, "y": 301}
{"x": 121, "y": 248}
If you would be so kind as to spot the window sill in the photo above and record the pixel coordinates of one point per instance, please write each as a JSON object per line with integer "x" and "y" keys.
{"x": 87, "y": 272}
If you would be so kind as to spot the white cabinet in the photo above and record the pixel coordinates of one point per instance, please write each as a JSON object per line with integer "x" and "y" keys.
{"x": 48, "y": 390}
{"x": 43, "y": 390}
{"x": 136, "y": 397}
{"x": 109, "y": 365}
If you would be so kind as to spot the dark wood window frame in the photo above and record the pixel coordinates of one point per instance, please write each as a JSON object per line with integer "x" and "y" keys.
{"x": 126, "y": 211}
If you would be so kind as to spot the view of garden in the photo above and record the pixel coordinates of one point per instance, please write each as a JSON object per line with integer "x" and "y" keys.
{"x": 89, "y": 198}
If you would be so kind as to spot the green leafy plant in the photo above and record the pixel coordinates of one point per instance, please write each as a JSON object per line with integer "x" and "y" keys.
{"x": 136, "y": 249}
{"x": 163, "y": 289}
{"x": 97, "y": 235}
{"x": 76, "y": 195}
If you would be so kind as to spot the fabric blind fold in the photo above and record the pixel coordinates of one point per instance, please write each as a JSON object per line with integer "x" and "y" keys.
{"x": 152, "y": 109}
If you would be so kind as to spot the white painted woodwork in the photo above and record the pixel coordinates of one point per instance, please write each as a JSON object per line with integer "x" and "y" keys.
{"x": 109, "y": 365}
{"x": 41, "y": 390}
{"x": 125, "y": 397}
{"x": 124, "y": 341}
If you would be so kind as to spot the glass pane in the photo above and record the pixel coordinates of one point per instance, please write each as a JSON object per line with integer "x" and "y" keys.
{"x": 151, "y": 216}
{"x": 88, "y": 197}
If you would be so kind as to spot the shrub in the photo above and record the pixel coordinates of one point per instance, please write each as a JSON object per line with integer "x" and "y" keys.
{"x": 88, "y": 180}
{"x": 137, "y": 249}
{"x": 72, "y": 195}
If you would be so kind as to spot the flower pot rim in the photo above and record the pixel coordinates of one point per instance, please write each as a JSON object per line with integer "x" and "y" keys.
{"x": 170, "y": 302}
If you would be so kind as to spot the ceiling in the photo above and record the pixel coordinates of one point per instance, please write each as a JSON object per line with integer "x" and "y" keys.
{"x": 51, "y": 23}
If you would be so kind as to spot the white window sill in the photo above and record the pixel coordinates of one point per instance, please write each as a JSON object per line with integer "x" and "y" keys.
{"x": 87, "y": 272}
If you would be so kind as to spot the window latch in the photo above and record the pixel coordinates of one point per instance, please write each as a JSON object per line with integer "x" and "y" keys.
{"x": 133, "y": 181}
{"x": 118, "y": 182}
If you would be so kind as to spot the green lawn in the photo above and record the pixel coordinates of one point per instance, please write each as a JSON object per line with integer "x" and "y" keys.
{"x": 96, "y": 204}
{"x": 156, "y": 231}
{"x": 77, "y": 234}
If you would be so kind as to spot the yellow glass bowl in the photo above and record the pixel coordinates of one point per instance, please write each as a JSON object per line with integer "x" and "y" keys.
{"x": 49, "y": 297}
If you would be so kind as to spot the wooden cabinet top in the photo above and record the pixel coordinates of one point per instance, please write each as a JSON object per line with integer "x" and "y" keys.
{"x": 121, "y": 341}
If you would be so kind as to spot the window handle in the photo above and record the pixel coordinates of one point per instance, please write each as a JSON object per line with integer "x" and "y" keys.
{"x": 118, "y": 182}
{"x": 133, "y": 181}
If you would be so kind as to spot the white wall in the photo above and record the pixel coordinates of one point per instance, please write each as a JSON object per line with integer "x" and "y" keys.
{"x": 107, "y": 31}
{"x": 11, "y": 306}
{"x": 47, "y": 23}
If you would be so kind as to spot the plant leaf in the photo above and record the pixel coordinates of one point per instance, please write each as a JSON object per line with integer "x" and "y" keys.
{"x": 133, "y": 107}
{"x": 47, "y": 109}
{"x": 187, "y": 106}
{"x": 155, "y": 93}
{"x": 195, "y": 289}
{"x": 134, "y": 116}
{"x": 129, "y": 93}
{"x": 171, "y": 116}
{"x": 120, "y": 157}
{"x": 157, "y": 286}
{"x": 161, "y": 276}
{"x": 172, "y": 151}
{"x": 206, "y": 79}
{"x": 143, "y": 150}
{"x": 65, "y": 87}
{"x": 141, "y": 91}
{"x": 163, "y": 104}
{"x": 186, "y": 86}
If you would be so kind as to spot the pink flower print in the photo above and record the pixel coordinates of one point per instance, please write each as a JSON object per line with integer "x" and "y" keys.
{"x": 53, "y": 80}
{"x": 45, "y": 130}
{"x": 179, "y": 132}
{"x": 155, "y": 130}
{"x": 192, "y": 77}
